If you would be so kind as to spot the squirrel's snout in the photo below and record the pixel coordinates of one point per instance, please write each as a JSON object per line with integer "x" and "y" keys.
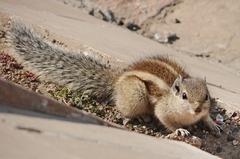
{"x": 198, "y": 110}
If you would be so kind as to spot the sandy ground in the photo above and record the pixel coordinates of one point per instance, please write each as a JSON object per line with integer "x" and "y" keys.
{"x": 77, "y": 30}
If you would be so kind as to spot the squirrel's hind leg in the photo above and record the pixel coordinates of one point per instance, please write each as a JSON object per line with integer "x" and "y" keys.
{"x": 131, "y": 97}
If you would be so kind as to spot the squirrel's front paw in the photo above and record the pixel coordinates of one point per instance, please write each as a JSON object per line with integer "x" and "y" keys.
{"x": 216, "y": 129}
{"x": 182, "y": 132}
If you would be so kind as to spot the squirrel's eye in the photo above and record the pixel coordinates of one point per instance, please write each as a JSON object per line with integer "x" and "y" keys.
{"x": 206, "y": 98}
{"x": 184, "y": 95}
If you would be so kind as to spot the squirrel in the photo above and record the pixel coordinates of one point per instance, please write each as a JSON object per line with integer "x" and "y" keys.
{"x": 153, "y": 85}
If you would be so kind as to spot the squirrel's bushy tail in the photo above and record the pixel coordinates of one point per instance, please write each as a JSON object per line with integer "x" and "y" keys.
{"x": 48, "y": 61}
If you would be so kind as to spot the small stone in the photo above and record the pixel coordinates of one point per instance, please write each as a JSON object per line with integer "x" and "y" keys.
{"x": 135, "y": 126}
{"x": 177, "y": 20}
{"x": 166, "y": 37}
{"x": 234, "y": 114}
{"x": 38, "y": 91}
{"x": 160, "y": 38}
{"x": 223, "y": 111}
{"x": 91, "y": 12}
{"x": 205, "y": 132}
{"x": 219, "y": 119}
{"x": 54, "y": 41}
{"x": 196, "y": 141}
{"x": 2, "y": 34}
{"x": 118, "y": 116}
{"x": 227, "y": 121}
{"x": 121, "y": 21}
{"x": 235, "y": 142}
{"x": 90, "y": 107}
{"x": 126, "y": 121}
{"x": 133, "y": 27}
{"x": 106, "y": 15}
{"x": 146, "y": 132}
{"x": 100, "y": 108}
{"x": 236, "y": 117}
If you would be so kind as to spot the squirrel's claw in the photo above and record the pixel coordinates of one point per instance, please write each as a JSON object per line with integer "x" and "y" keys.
{"x": 216, "y": 129}
{"x": 182, "y": 132}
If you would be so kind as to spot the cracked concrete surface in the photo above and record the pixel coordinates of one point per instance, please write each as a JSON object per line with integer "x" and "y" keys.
{"x": 40, "y": 137}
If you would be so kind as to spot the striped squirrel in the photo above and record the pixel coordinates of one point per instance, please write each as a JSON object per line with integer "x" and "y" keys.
{"x": 154, "y": 85}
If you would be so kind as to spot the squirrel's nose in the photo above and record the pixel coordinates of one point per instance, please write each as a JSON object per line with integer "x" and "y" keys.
{"x": 198, "y": 109}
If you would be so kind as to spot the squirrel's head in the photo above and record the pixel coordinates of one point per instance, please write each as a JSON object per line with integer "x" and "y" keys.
{"x": 193, "y": 95}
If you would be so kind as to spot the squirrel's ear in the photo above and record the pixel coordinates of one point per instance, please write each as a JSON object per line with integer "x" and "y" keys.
{"x": 176, "y": 85}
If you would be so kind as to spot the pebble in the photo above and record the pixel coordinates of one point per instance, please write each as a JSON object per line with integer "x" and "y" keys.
{"x": 177, "y": 20}
{"x": 219, "y": 119}
{"x": 135, "y": 126}
{"x": 235, "y": 118}
{"x": 106, "y": 15}
{"x": 120, "y": 21}
{"x": 118, "y": 116}
{"x": 100, "y": 108}
{"x": 196, "y": 141}
{"x": 235, "y": 142}
{"x": 232, "y": 114}
{"x": 205, "y": 132}
{"x": 166, "y": 37}
{"x": 133, "y": 27}
{"x": 2, "y": 34}
{"x": 126, "y": 121}
{"x": 54, "y": 41}
{"x": 227, "y": 121}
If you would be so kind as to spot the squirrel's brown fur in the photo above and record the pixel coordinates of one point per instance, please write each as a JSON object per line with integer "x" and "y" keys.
{"x": 154, "y": 85}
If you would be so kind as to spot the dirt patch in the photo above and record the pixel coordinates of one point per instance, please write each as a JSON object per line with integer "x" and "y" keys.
{"x": 12, "y": 71}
